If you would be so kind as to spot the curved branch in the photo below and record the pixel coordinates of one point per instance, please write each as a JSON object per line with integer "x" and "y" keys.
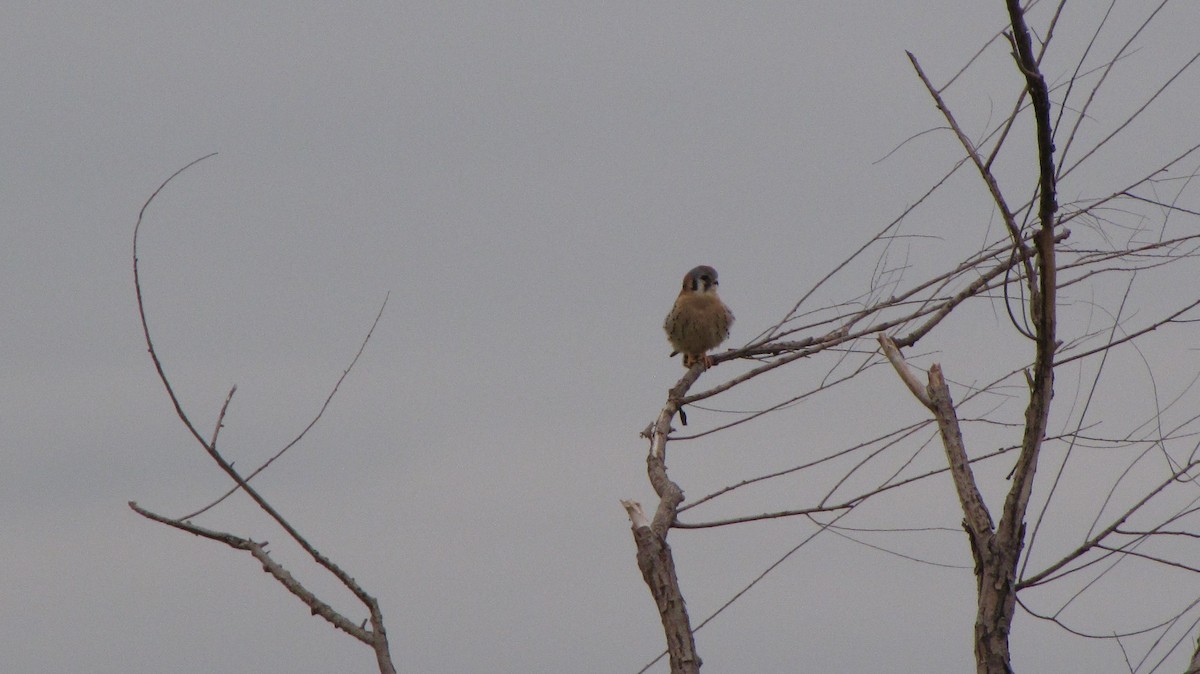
{"x": 379, "y": 638}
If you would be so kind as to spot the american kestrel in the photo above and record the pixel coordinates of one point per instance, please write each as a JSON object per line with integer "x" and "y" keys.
{"x": 699, "y": 321}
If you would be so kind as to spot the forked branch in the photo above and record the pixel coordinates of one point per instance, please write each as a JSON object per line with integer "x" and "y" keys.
{"x": 376, "y": 637}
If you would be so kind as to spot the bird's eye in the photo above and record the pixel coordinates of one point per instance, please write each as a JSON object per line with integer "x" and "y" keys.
{"x": 705, "y": 278}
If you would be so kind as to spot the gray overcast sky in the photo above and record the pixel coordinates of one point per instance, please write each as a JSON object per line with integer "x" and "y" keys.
{"x": 529, "y": 182}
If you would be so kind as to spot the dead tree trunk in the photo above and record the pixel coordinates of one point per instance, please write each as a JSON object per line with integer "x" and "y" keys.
{"x": 653, "y": 553}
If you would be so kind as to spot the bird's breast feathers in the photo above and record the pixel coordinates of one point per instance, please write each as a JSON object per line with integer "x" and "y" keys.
{"x": 705, "y": 303}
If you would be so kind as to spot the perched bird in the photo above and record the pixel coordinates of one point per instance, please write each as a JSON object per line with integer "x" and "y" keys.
{"x": 699, "y": 321}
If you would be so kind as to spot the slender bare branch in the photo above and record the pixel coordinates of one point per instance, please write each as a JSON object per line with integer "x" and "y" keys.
{"x": 137, "y": 286}
{"x": 984, "y": 172}
{"x": 258, "y": 550}
{"x": 378, "y": 634}
{"x": 328, "y": 399}
{"x": 1047, "y": 573}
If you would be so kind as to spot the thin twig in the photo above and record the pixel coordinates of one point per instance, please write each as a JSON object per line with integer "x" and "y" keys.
{"x": 313, "y": 422}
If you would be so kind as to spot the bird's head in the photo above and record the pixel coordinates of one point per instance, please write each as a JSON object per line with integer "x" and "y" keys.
{"x": 702, "y": 279}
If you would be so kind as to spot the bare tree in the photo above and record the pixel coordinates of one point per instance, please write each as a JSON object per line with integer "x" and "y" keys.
{"x": 376, "y": 635}
{"x": 1094, "y": 250}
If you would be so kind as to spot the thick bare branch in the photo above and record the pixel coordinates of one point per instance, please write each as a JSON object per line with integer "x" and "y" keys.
{"x": 658, "y": 569}
{"x": 650, "y": 536}
{"x": 906, "y": 373}
{"x": 976, "y": 518}
{"x": 1044, "y": 302}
